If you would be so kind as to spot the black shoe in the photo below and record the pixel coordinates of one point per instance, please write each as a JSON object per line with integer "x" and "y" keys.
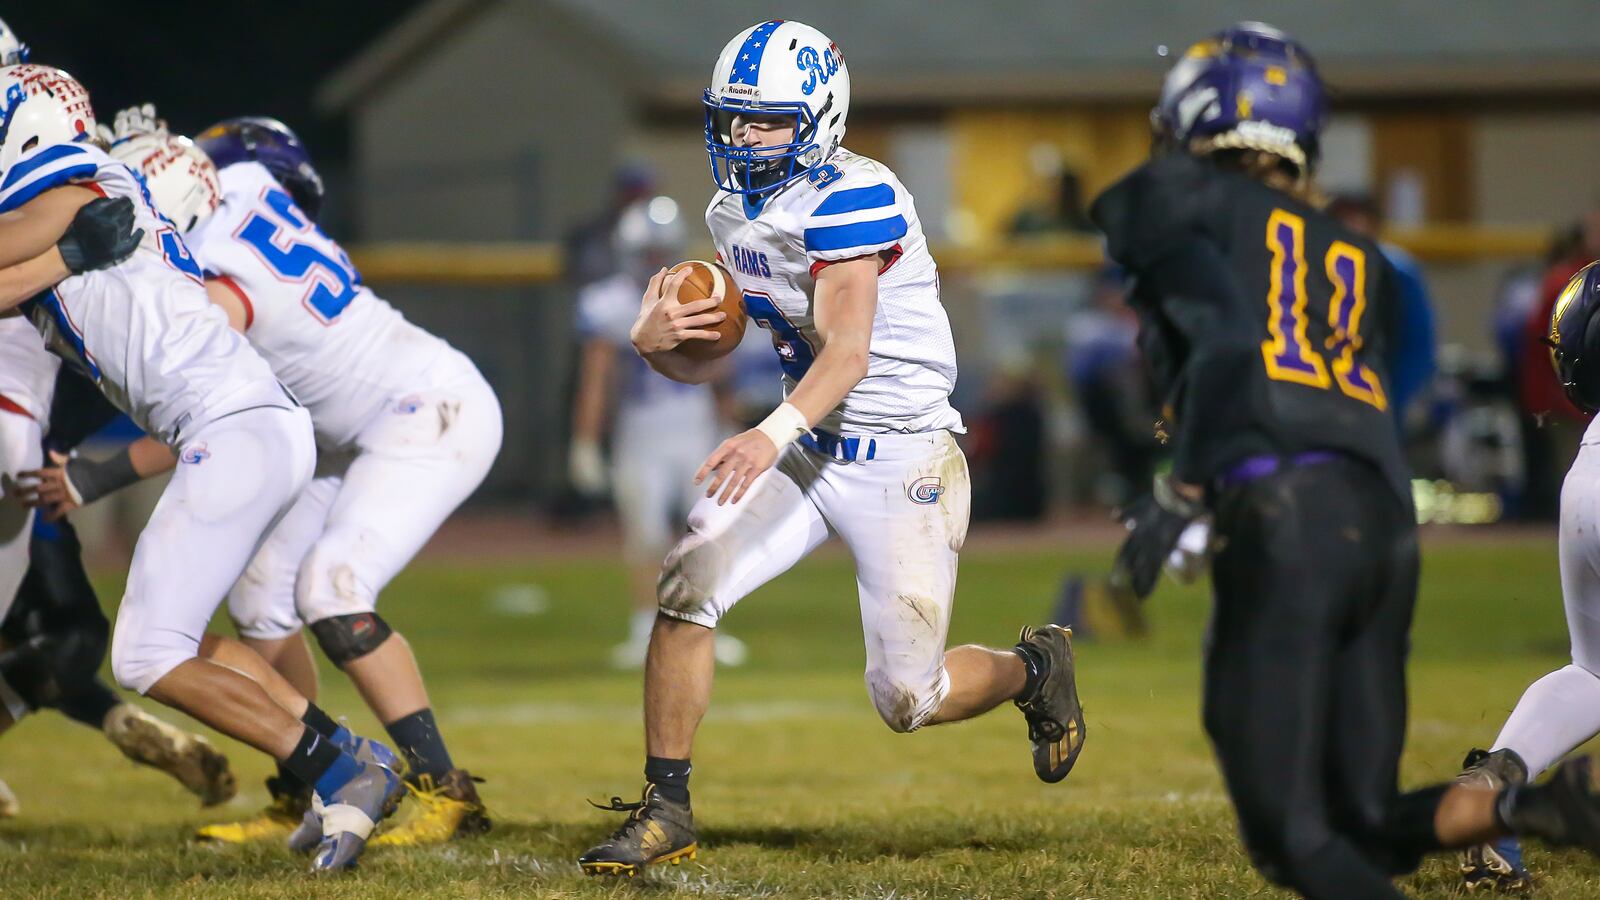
{"x": 1563, "y": 811}
{"x": 657, "y": 831}
{"x": 1055, "y": 717}
{"x": 1497, "y": 866}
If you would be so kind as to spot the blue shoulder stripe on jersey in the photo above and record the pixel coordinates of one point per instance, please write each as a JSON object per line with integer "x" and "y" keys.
{"x": 43, "y": 158}
{"x": 858, "y": 234}
{"x": 748, "y": 63}
{"x": 44, "y": 183}
{"x": 856, "y": 199}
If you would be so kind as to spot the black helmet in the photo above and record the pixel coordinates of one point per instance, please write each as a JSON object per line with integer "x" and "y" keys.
{"x": 1574, "y": 338}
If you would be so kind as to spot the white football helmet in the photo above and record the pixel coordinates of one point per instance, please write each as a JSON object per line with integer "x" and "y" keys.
{"x": 180, "y": 177}
{"x": 776, "y": 68}
{"x": 12, "y": 50}
{"x": 649, "y": 236}
{"x": 39, "y": 107}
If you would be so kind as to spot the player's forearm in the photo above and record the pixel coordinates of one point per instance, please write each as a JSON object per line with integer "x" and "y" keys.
{"x": 151, "y": 457}
{"x": 680, "y": 368}
{"x": 594, "y": 387}
{"x": 26, "y": 279}
{"x": 839, "y": 367}
{"x": 37, "y": 225}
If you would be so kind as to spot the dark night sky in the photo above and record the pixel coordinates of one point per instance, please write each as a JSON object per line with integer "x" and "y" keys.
{"x": 200, "y": 62}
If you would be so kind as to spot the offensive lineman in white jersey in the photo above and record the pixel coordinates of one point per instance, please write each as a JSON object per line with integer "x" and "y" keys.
{"x": 1560, "y": 711}
{"x": 54, "y": 633}
{"x": 144, "y": 331}
{"x": 830, "y": 255}
{"x": 406, "y": 425}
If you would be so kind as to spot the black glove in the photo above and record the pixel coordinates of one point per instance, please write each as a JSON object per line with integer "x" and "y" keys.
{"x": 101, "y": 235}
{"x": 1155, "y": 522}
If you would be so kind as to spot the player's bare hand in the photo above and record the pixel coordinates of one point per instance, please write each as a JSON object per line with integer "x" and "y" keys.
{"x": 736, "y": 464}
{"x": 48, "y": 489}
{"x": 664, "y": 323}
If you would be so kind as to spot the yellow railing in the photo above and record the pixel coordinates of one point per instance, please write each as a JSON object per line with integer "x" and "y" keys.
{"x": 507, "y": 264}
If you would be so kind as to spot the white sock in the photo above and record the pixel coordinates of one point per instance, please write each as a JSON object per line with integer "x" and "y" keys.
{"x": 1556, "y": 714}
{"x": 640, "y": 624}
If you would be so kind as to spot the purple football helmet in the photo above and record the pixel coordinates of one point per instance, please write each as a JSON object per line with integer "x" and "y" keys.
{"x": 1574, "y": 338}
{"x": 1249, "y": 86}
{"x": 274, "y": 145}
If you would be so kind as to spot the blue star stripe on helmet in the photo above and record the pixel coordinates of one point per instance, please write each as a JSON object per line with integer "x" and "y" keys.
{"x": 856, "y": 199}
{"x": 748, "y": 62}
{"x": 859, "y": 234}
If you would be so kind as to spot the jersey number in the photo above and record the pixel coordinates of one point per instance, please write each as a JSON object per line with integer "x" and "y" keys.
{"x": 296, "y": 250}
{"x": 1289, "y": 353}
{"x": 795, "y": 352}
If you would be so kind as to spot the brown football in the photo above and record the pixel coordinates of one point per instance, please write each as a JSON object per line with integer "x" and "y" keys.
{"x": 707, "y": 279}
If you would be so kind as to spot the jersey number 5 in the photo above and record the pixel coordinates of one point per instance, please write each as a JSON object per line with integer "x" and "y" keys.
{"x": 1289, "y": 354}
{"x": 296, "y": 250}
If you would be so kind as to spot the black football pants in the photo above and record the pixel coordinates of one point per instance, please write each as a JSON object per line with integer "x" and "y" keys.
{"x": 1305, "y": 692}
{"x": 55, "y": 633}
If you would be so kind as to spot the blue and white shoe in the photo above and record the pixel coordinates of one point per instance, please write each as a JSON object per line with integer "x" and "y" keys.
{"x": 351, "y": 813}
{"x": 308, "y": 834}
{"x": 1495, "y": 867}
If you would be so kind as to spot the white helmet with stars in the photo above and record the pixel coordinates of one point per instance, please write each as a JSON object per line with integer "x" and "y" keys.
{"x": 12, "y": 50}
{"x": 776, "y": 68}
{"x": 180, "y": 177}
{"x": 41, "y": 107}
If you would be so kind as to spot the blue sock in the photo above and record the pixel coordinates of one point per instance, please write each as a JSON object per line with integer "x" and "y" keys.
{"x": 338, "y": 775}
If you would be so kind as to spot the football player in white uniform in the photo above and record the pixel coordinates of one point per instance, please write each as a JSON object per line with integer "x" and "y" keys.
{"x": 1560, "y": 711}
{"x": 145, "y": 332}
{"x": 832, "y": 261}
{"x": 661, "y": 429}
{"x": 55, "y": 634}
{"x": 406, "y": 426}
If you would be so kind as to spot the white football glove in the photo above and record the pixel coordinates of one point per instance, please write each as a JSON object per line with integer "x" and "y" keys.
{"x": 586, "y": 468}
{"x": 1188, "y": 559}
{"x": 135, "y": 121}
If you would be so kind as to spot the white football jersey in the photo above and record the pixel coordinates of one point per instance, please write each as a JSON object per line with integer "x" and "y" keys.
{"x": 606, "y": 310}
{"x": 143, "y": 329}
{"x": 344, "y": 352}
{"x": 27, "y": 369}
{"x": 850, "y": 206}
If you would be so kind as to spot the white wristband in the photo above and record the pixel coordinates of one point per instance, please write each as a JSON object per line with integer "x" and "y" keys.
{"x": 784, "y": 425}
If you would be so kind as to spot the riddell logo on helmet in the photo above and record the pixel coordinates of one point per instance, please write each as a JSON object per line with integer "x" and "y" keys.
{"x": 742, "y": 91}
{"x": 1265, "y": 132}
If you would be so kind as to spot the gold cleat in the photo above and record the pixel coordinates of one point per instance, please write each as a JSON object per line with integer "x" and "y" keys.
{"x": 189, "y": 758}
{"x": 656, "y": 831}
{"x": 440, "y": 811}
{"x": 281, "y": 817}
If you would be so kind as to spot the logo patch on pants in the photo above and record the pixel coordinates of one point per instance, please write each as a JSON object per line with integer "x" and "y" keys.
{"x": 926, "y": 490}
{"x": 195, "y": 455}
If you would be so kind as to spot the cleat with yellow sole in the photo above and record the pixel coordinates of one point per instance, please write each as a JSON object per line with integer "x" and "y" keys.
{"x": 440, "y": 811}
{"x": 281, "y": 816}
{"x": 189, "y": 758}
{"x": 657, "y": 831}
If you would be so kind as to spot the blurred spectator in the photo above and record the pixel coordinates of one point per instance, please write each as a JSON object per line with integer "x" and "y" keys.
{"x": 590, "y": 253}
{"x": 1106, "y": 373}
{"x": 1064, "y": 215}
{"x": 1413, "y": 357}
{"x": 1552, "y": 425}
{"x": 1006, "y": 450}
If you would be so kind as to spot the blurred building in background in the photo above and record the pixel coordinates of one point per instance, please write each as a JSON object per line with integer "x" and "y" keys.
{"x": 1473, "y": 125}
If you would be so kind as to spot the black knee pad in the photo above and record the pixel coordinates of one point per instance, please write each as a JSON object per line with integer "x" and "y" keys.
{"x": 348, "y": 638}
{"x": 28, "y": 670}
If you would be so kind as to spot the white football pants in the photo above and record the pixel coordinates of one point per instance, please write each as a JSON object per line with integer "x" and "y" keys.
{"x": 903, "y": 514}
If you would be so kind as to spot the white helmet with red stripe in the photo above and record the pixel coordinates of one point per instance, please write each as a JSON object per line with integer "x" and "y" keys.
{"x": 182, "y": 181}
{"x": 40, "y": 107}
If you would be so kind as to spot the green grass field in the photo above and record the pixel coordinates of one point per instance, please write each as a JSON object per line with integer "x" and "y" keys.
{"x": 799, "y": 789}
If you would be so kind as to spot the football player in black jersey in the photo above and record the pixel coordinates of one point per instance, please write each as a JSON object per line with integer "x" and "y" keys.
{"x": 1264, "y": 323}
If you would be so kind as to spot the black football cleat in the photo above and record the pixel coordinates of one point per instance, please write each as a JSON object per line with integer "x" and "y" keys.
{"x": 1055, "y": 717}
{"x": 657, "y": 831}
